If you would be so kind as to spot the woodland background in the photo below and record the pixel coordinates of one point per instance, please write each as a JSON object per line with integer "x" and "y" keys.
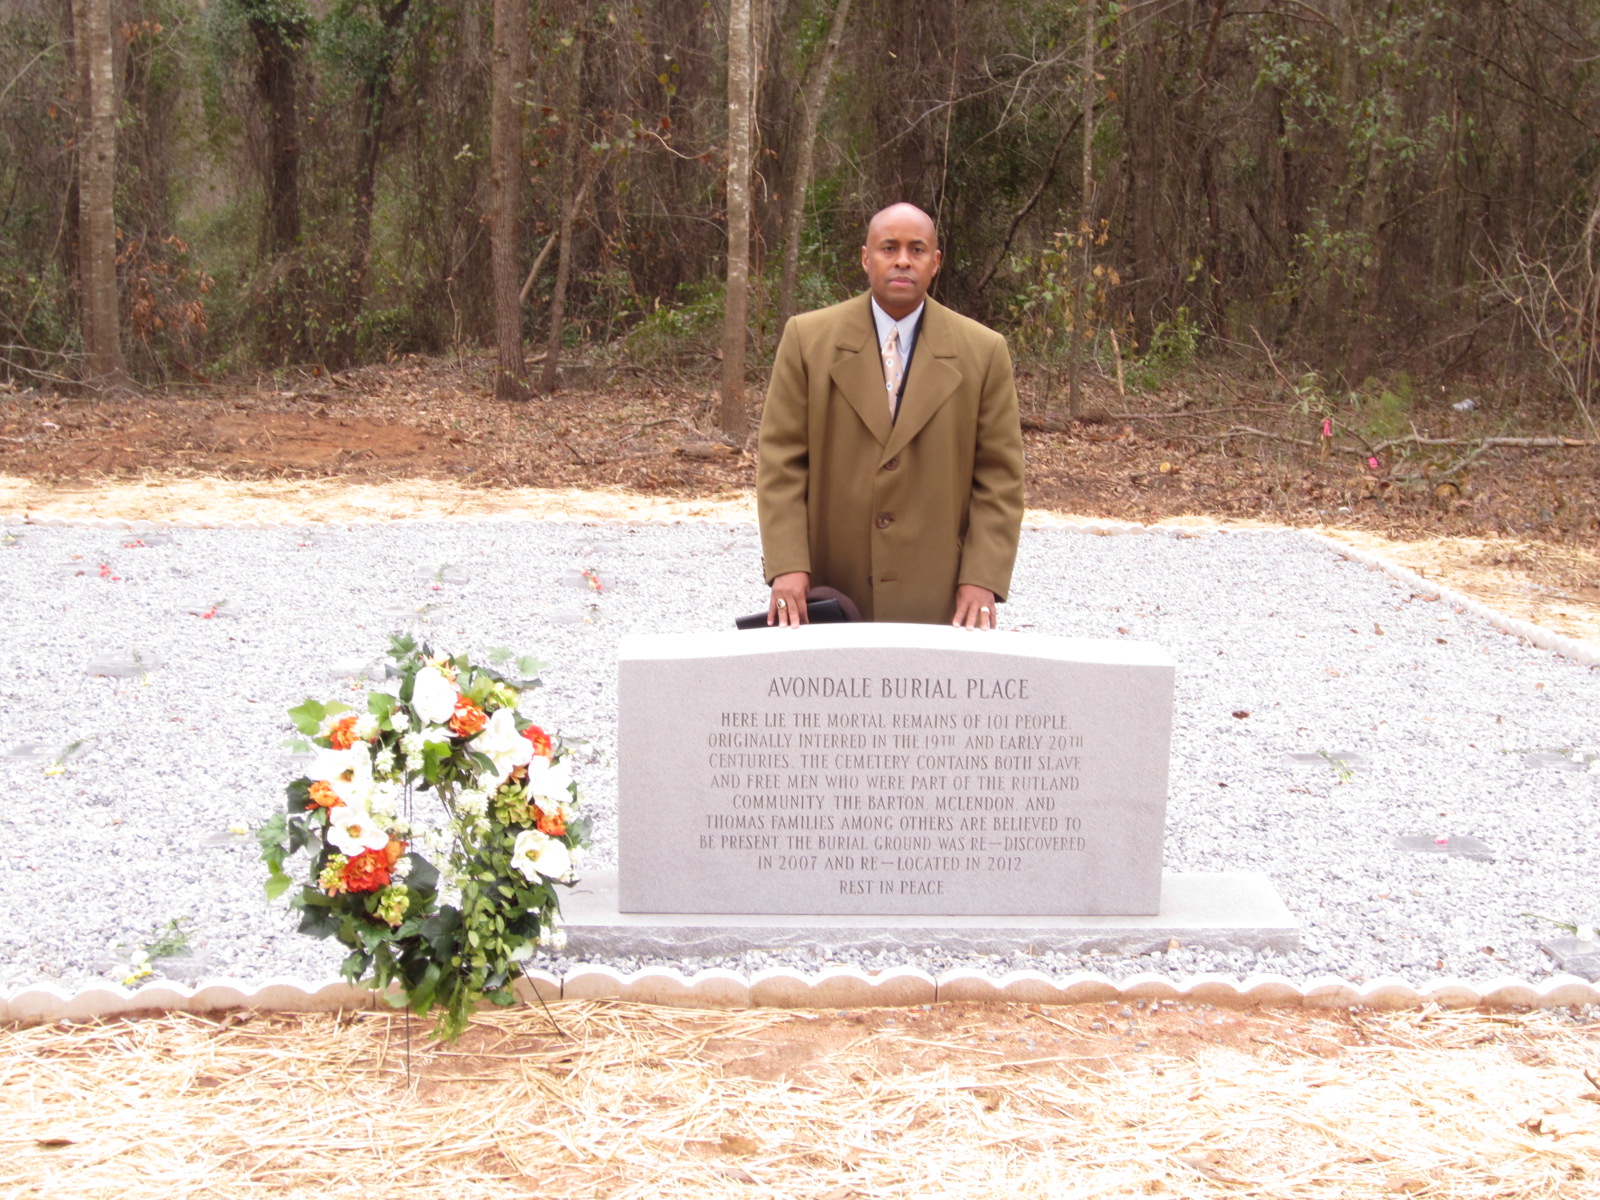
{"x": 1378, "y": 193}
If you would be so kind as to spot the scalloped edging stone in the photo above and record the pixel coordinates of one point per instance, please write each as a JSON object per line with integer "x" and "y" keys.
{"x": 834, "y": 987}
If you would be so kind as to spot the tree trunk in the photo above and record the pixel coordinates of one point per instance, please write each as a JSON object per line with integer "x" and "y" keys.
{"x": 277, "y": 84}
{"x": 811, "y": 102}
{"x": 97, "y": 160}
{"x": 1143, "y": 95}
{"x": 734, "y": 420}
{"x": 510, "y": 60}
{"x": 374, "y": 100}
{"x": 572, "y": 195}
{"x": 277, "y": 31}
{"x": 1335, "y": 335}
{"x": 1080, "y": 319}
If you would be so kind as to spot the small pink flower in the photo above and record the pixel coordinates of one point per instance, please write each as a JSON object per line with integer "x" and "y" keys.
{"x": 1373, "y": 462}
{"x": 1442, "y": 840}
{"x": 1327, "y": 426}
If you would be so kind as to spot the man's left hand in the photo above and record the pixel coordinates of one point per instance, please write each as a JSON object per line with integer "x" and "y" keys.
{"x": 974, "y": 607}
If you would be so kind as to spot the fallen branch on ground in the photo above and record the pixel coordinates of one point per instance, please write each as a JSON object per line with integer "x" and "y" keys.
{"x": 638, "y": 429}
{"x": 1201, "y": 412}
{"x": 1523, "y": 443}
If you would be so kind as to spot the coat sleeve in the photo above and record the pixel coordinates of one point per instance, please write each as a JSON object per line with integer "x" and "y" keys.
{"x": 994, "y": 520}
{"x": 783, "y": 463}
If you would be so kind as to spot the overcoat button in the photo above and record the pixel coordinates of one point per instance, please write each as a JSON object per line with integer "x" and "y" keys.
{"x": 893, "y": 464}
{"x": 885, "y": 520}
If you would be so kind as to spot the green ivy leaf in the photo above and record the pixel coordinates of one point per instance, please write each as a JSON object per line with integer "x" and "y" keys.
{"x": 307, "y": 716}
{"x": 270, "y": 834}
{"x": 298, "y": 793}
{"x": 434, "y": 755}
{"x": 424, "y": 876}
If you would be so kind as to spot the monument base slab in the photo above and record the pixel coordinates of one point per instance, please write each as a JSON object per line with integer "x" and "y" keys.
{"x": 1215, "y": 911}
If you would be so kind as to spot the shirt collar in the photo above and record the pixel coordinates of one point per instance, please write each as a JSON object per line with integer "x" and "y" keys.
{"x": 908, "y": 324}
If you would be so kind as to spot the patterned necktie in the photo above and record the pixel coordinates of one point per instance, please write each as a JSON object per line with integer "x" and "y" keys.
{"x": 894, "y": 368}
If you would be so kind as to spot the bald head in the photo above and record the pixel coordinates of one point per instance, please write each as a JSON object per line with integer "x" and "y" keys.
{"x": 901, "y": 257}
{"x": 904, "y": 211}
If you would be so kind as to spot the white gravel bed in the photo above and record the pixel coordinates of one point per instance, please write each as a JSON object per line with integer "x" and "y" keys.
{"x": 1412, "y": 718}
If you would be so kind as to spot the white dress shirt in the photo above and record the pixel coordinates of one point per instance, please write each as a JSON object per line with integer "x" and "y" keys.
{"x": 908, "y": 325}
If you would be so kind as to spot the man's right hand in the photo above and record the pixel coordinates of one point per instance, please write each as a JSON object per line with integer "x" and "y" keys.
{"x": 787, "y": 605}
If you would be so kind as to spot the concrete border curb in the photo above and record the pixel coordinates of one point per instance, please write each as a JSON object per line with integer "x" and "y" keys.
{"x": 833, "y": 987}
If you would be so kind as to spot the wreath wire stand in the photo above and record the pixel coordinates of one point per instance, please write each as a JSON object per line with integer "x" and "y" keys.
{"x": 521, "y": 967}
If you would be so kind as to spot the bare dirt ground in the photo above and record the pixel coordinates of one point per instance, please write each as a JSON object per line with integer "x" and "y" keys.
{"x": 954, "y": 1100}
{"x": 1516, "y": 526}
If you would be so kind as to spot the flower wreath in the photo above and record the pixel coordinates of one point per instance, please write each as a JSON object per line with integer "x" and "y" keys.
{"x": 445, "y": 935}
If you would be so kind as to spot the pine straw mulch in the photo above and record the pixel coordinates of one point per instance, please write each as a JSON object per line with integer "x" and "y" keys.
{"x": 952, "y": 1100}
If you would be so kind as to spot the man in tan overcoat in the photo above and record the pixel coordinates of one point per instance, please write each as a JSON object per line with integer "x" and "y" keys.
{"x": 891, "y": 449}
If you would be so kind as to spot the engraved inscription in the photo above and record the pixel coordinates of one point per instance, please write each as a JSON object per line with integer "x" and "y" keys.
{"x": 888, "y": 801}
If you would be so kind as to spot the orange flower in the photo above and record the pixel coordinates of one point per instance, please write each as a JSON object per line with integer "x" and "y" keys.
{"x": 323, "y": 796}
{"x": 343, "y": 734}
{"x": 394, "y": 850}
{"x": 367, "y": 871}
{"x": 540, "y": 740}
{"x": 551, "y": 823}
{"x": 468, "y": 718}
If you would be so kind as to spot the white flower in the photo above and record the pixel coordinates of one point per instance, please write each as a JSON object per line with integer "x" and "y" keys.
{"x": 435, "y": 733}
{"x": 536, "y": 854}
{"x": 434, "y": 841}
{"x": 411, "y": 744}
{"x": 383, "y": 761}
{"x": 547, "y": 781}
{"x": 381, "y": 801}
{"x": 352, "y": 829}
{"x": 433, "y": 696}
{"x": 366, "y": 727}
{"x": 347, "y": 772}
{"x": 505, "y": 747}
{"x": 413, "y": 762}
{"x": 398, "y": 721}
{"x": 555, "y": 939}
{"x": 472, "y": 802}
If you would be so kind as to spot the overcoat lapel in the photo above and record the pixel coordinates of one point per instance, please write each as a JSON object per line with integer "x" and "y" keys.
{"x": 933, "y": 379}
{"x": 857, "y": 372}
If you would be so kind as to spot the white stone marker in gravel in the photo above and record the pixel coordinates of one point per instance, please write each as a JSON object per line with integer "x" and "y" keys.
{"x": 892, "y": 769}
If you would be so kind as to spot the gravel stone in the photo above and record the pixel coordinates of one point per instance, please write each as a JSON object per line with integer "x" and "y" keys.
{"x": 1440, "y": 727}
